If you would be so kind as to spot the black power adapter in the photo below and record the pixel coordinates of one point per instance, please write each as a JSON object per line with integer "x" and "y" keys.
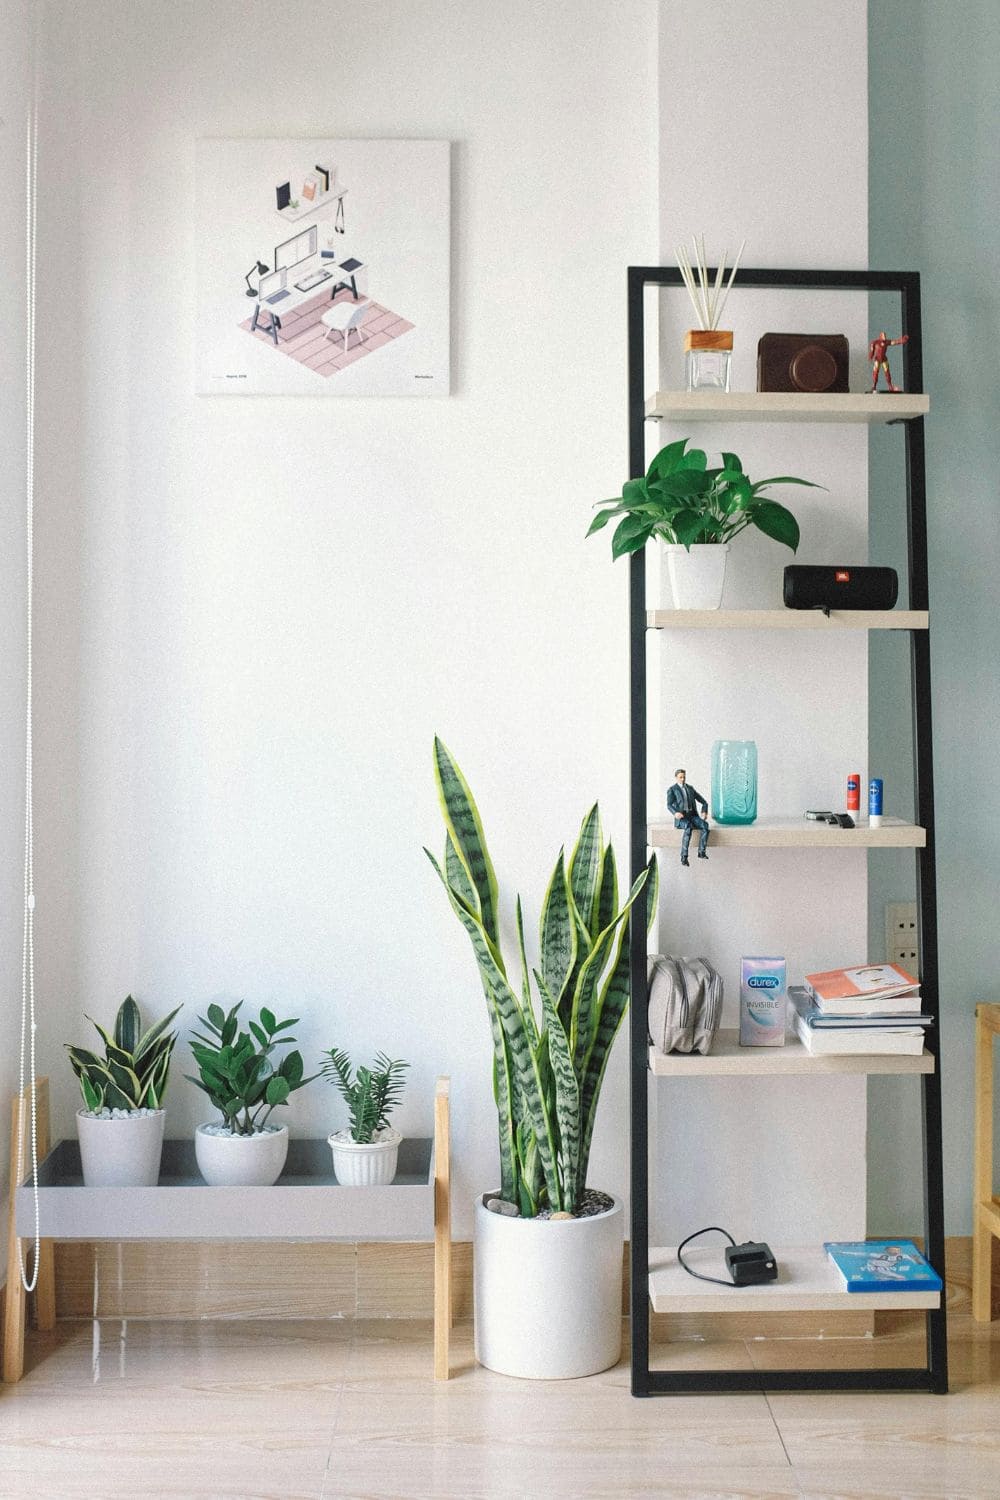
{"x": 751, "y": 1263}
{"x": 748, "y": 1264}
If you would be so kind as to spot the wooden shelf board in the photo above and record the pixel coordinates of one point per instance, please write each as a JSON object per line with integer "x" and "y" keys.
{"x": 808, "y": 1281}
{"x": 775, "y": 406}
{"x": 787, "y": 619}
{"x": 306, "y": 1203}
{"x": 797, "y": 833}
{"x": 727, "y": 1057}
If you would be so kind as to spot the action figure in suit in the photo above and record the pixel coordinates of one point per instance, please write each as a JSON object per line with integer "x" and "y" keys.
{"x": 683, "y": 801}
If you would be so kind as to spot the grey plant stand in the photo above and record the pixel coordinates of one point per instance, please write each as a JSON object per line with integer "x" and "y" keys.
{"x": 306, "y": 1203}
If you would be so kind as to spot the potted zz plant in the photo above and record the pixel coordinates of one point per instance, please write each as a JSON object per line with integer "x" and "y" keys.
{"x": 120, "y": 1127}
{"x": 548, "y": 1249}
{"x": 366, "y": 1153}
{"x": 696, "y": 512}
{"x": 237, "y": 1073}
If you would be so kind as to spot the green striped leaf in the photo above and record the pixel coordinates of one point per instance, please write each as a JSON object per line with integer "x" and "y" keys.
{"x": 567, "y": 1105}
{"x": 526, "y": 1005}
{"x": 585, "y": 865}
{"x": 522, "y": 1054}
{"x": 611, "y": 1008}
{"x": 154, "y": 1033}
{"x": 503, "y": 1082}
{"x": 465, "y": 826}
{"x": 459, "y": 878}
{"x": 606, "y": 900}
{"x": 557, "y": 932}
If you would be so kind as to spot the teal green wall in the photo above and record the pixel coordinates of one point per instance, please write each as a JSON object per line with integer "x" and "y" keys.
{"x": 934, "y": 207}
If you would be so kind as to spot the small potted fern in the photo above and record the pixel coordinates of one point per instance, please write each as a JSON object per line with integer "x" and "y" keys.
{"x": 120, "y": 1126}
{"x": 366, "y": 1152}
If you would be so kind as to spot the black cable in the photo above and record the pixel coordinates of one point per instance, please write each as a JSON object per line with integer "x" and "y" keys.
{"x": 717, "y": 1228}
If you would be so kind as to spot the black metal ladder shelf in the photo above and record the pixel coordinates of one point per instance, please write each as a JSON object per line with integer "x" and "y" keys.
{"x": 933, "y": 1376}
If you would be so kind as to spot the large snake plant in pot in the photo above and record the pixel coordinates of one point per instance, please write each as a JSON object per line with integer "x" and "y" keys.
{"x": 548, "y": 1249}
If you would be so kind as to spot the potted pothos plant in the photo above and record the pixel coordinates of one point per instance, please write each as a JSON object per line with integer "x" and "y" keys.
{"x": 696, "y": 512}
{"x": 120, "y": 1127}
{"x": 237, "y": 1070}
{"x": 548, "y": 1248}
{"x": 365, "y": 1154}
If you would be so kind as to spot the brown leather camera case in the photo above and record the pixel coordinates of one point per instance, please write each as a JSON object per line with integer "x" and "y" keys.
{"x": 802, "y": 362}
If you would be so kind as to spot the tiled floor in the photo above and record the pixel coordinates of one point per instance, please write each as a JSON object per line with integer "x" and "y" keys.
{"x": 303, "y": 337}
{"x": 348, "y": 1411}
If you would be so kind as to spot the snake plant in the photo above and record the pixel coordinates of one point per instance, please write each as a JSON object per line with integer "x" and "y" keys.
{"x": 133, "y": 1072}
{"x": 547, "y": 1069}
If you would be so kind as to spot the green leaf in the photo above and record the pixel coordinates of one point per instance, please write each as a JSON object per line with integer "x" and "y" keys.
{"x": 631, "y": 535}
{"x": 128, "y": 1026}
{"x": 93, "y": 1097}
{"x": 462, "y": 818}
{"x": 666, "y": 461}
{"x": 459, "y": 878}
{"x": 216, "y": 1017}
{"x": 526, "y": 1006}
{"x": 731, "y": 462}
{"x": 278, "y": 1090}
{"x": 268, "y": 1021}
{"x": 684, "y": 483}
{"x": 567, "y": 1094}
{"x": 585, "y": 865}
{"x": 292, "y": 1069}
{"x": 776, "y": 522}
{"x": 259, "y": 1033}
{"x": 522, "y": 1055}
{"x": 607, "y": 896}
{"x": 154, "y": 1034}
{"x": 557, "y": 932}
{"x": 689, "y": 526}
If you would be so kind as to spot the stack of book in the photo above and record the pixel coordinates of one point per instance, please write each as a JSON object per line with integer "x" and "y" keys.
{"x": 873, "y": 1009}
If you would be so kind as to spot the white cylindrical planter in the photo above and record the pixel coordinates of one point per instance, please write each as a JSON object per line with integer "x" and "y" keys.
{"x": 120, "y": 1153}
{"x": 548, "y": 1294}
{"x": 241, "y": 1160}
{"x": 370, "y": 1164}
{"x": 695, "y": 578}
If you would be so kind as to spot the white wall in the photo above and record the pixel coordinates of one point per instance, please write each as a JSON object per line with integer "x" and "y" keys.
{"x": 14, "y": 74}
{"x": 258, "y": 612}
{"x": 757, "y": 142}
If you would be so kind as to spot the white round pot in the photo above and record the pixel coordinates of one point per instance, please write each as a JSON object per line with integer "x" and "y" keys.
{"x": 548, "y": 1294}
{"x": 369, "y": 1165}
{"x": 695, "y": 578}
{"x": 241, "y": 1160}
{"x": 120, "y": 1153}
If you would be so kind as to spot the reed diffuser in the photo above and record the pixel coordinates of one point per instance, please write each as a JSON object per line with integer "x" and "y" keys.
{"x": 708, "y": 348}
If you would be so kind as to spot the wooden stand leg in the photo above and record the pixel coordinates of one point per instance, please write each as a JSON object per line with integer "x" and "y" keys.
{"x": 982, "y": 1176}
{"x": 15, "y": 1297}
{"x": 442, "y": 1230}
{"x": 45, "y": 1288}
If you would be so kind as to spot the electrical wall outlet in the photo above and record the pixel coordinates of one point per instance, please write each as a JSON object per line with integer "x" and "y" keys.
{"x": 901, "y": 939}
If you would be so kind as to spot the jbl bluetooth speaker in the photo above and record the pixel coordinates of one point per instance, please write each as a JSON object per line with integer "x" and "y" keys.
{"x": 840, "y": 587}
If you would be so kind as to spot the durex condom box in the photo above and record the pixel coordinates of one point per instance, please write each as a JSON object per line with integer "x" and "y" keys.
{"x": 763, "y": 1002}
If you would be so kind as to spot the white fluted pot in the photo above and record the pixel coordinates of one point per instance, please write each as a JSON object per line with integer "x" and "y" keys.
{"x": 365, "y": 1164}
{"x": 548, "y": 1293}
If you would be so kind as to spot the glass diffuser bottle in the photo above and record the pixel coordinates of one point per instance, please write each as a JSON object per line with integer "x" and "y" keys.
{"x": 734, "y": 781}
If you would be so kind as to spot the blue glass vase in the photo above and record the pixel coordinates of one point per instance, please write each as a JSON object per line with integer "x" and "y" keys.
{"x": 734, "y": 781}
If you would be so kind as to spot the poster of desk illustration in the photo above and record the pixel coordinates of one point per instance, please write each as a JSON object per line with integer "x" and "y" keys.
{"x": 323, "y": 268}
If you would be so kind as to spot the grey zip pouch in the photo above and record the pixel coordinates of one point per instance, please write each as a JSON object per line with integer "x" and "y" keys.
{"x": 685, "y": 1004}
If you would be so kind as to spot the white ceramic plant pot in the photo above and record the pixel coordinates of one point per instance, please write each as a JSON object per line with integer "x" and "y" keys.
{"x": 120, "y": 1153}
{"x": 548, "y": 1294}
{"x": 365, "y": 1165}
{"x": 694, "y": 579}
{"x": 241, "y": 1160}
